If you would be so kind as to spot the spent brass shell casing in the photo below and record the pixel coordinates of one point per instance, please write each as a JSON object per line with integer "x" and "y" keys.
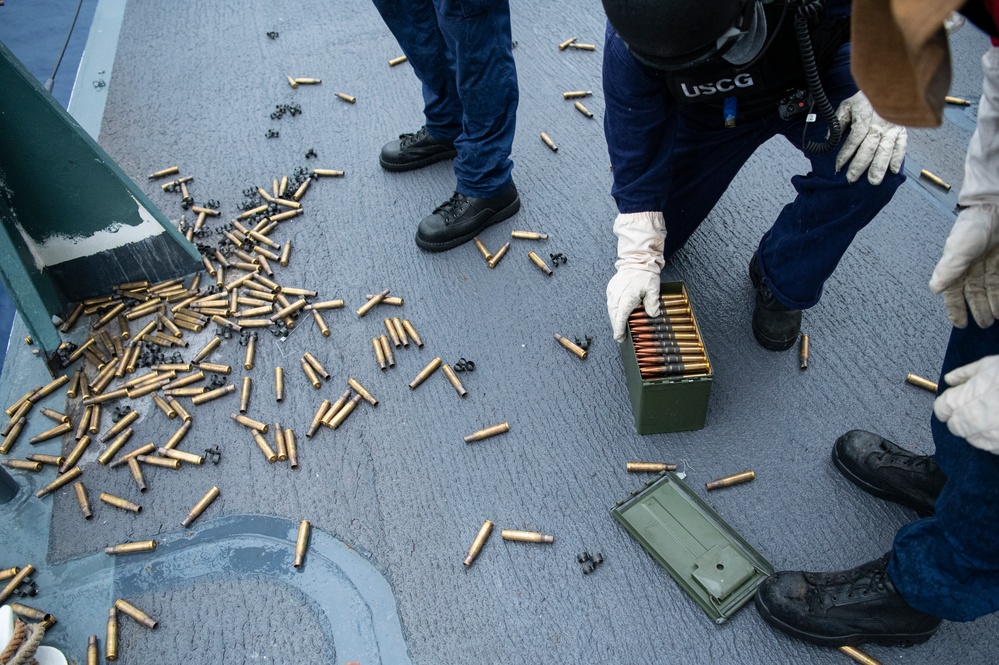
{"x": 316, "y": 365}
{"x": 72, "y": 318}
{"x": 321, "y": 323}
{"x": 131, "y": 610}
{"x": 181, "y": 456}
{"x": 453, "y": 379}
{"x": 583, "y": 47}
{"x": 206, "y": 351}
{"x": 540, "y": 263}
{"x": 263, "y": 428}
{"x": 957, "y": 101}
{"x": 289, "y": 442}
{"x": 366, "y": 307}
{"x": 350, "y": 99}
{"x": 362, "y": 391}
{"x": 564, "y": 45}
{"x": 19, "y": 413}
{"x": 498, "y": 256}
{"x": 292, "y": 82}
{"x": 803, "y": 351}
{"x": 32, "y": 613}
{"x": 186, "y": 391}
{"x": 111, "y": 637}
{"x": 279, "y": 443}
{"x": 244, "y": 394}
{"x": 859, "y": 656}
{"x": 576, "y": 94}
{"x": 920, "y": 382}
{"x": 301, "y": 543}
{"x": 215, "y": 367}
{"x": 582, "y": 109}
{"x": 279, "y": 383}
{"x": 649, "y": 467}
{"x": 180, "y": 410}
{"x": 310, "y": 374}
{"x": 83, "y": 500}
{"x": 318, "y": 418}
{"x": 548, "y": 142}
{"x": 141, "y": 451}
{"x": 425, "y": 373}
{"x": 58, "y": 430}
{"x": 487, "y": 432}
{"x": 213, "y": 394}
{"x": 178, "y": 436}
{"x": 393, "y": 332}
{"x": 50, "y": 460}
{"x": 528, "y": 235}
{"x": 75, "y": 454}
{"x": 84, "y": 425}
{"x": 251, "y": 347}
{"x": 376, "y": 344}
{"x": 131, "y": 548}
{"x": 285, "y": 258}
{"x": 92, "y": 652}
{"x": 12, "y": 434}
{"x": 165, "y": 407}
{"x": 54, "y": 415}
{"x": 200, "y": 506}
{"x": 22, "y": 465}
{"x": 105, "y": 457}
{"x": 50, "y": 388}
{"x": 728, "y": 481}
{"x": 308, "y": 81}
{"x": 387, "y": 350}
{"x": 477, "y": 544}
{"x": 329, "y": 304}
{"x": 328, "y": 173}
{"x": 15, "y": 582}
{"x": 400, "y": 331}
{"x": 526, "y": 536}
{"x": 161, "y": 462}
{"x": 170, "y": 170}
{"x": 119, "y": 502}
{"x": 335, "y": 407}
{"x": 397, "y": 61}
{"x": 342, "y": 414}
{"x": 935, "y": 179}
{"x": 486, "y": 254}
{"x": 17, "y": 405}
{"x": 576, "y": 350}
{"x": 265, "y": 447}
{"x": 411, "y": 331}
{"x": 8, "y": 573}
{"x": 300, "y": 192}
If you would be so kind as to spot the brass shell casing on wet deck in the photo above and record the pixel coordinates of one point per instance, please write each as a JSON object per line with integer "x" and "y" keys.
{"x": 302, "y": 543}
{"x": 478, "y": 543}
{"x": 200, "y": 506}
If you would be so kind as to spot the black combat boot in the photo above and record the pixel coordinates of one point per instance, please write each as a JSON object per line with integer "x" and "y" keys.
{"x": 888, "y": 471}
{"x": 411, "y": 151}
{"x": 461, "y": 218}
{"x": 844, "y": 608}
{"x": 775, "y": 326}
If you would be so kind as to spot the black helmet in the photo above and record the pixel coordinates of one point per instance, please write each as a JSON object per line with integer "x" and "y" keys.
{"x": 678, "y": 34}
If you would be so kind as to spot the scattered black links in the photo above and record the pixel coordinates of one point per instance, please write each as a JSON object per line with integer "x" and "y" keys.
{"x": 583, "y": 557}
{"x": 464, "y": 365}
{"x": 272, "y": 134}
{"x": 223, "y": 331}
{"x": 273, "y": 34}
{"x": 584, "y": 343}
{"x": 172, "y": 187}
{"x": 244, "y": 337}
{"x": 217, "y": 381}
{"x": 559, "y": 259}
{"x": 588, "y": 567}
{"x": 26, "y": 588}
{"x": 213, "y": 204}
{"x": 99, "y": 83}
{"x": 598, "y": 558}
{"x": 177, "y": 358}
{"x": 311, "y": 154}
{"x": 120, "y": 412}
{"x": 214, "y": 454}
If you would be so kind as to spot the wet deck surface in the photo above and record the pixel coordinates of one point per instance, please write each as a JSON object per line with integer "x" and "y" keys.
{"x": 394, "y": 496}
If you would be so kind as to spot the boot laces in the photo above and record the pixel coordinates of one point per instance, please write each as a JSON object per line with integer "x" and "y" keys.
{"x": 453, "y": 208}
{"x": 406, "y": 140}
{"x": 919, "y": 462}
{"x": 860, "y": 581}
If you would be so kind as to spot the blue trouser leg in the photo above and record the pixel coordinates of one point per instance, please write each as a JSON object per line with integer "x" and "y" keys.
{"x": 414, "y": 25}
{"x": 948, "y": 565}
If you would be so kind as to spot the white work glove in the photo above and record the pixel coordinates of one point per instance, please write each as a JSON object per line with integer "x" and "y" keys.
{"x": 971, "y": 406}
{"x": 969, "y": 268}
{"x": 641, "y": 237}
{"x": 878, "y": 144}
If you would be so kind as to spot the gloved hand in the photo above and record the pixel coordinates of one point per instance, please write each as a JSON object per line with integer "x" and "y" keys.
{"x": 641, "y": 237}
{"x": 971, "y": 407}
{"x": 878, "y": 144}
{"x": 969, "y": 268}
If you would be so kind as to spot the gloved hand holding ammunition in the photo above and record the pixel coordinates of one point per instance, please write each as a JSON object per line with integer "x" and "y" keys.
{"x": 641, "y": 237}
{"x": 874, "y": 144}
{"x": 969, "y": 268}
{"x": 970, "y": 407}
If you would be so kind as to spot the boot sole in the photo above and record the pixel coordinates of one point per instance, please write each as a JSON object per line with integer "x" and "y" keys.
{"x": 761, "y": 339}
{"x": 498, "y": 217}
{"x": 854, "y": 639}
{"x": 874, "y": 490}
{"x": 419, "y": 163}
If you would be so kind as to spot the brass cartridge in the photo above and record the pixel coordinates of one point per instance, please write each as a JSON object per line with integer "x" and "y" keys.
{"x": 582, "y": 109}
{"x": 270, "y": 285}
{"x": 111, "y": 315}
{"x": 366, "y": 307}
{"x": 58, "y": 430}
{"x": 583, "y": 47}
{"x": 279, "y": 383}
{"x": 8, "y": 573}
{"x": 119, "y": 502}
{"x": 289, "y": 442}
{"x": 251, "y": 348}
{"x": 287, "y": 204}
{"x": 133, "y": 359}
{"x": 487, "y": 432}
{"x": 263, "y": 428}
{"x": 161, "y": 462}
{"x": 15, "y": 582}
{"x": 548, "y": 142}
{"x": 84, "y": 424}
{"x": 168, "y": 324}
{"x": 181, "y": 411}
{"x": 120, "y": 426}
{"x": 335, "y": 408}
{"x": 323, "y": 328}
{"x": 54, "y": 415}
{"x": 94, "y": 359}
{"x": 920, "y": 382}
{"x": 376, "y": 343}
{"x": 265, "y": 447}
{"x": 144, "y": 389}
{"x": 302, "y": 543}
{"x": 111, "y": 637}
{"x": 498, "y": 256}
{"x": 284, "y": 185}
{"x": 453, "y": 379}
{"x": 350, "y": 99}
{"x": 342, "y": 414}
{"x": 728, "y": 481}
{"x": 51, "y": 460}
{"x": 362, "y": 391}
{"x": 75, "y": 455}
{"x": 486, "y": 254}
{"x": 106, "y": 397}
{"x": 292, "y": 82}
{"x": 311, "y": 374}
{"x": 12, "y": 434}
{"x": 131, "y": 548}
{"x": 316, "y": 365}
{"x": 78, "y": 353}
{"x": 74, "y": 382}
{"x": 957, "y": 101}
{"x": 131, "y": 610}
{"x": 411, "y": 331}
{"x": 576, "y": 350}
{"x": 72, "y": 318}
{"x": 528, "y": 235}
{"x": 244, "y": 394}
{"x": 935, "y": 179}
{"x": 649, "y": 467}
{"x": 392, "y": 332}
{"x": 135, "y": 454}
{"x": 50, "y": 388}
{"x": 577, "y": 94}
{"x": 526, "y": 536}
{"x": 390, "y": 300}
{"x": 279, "y": 443}
{"x": 177, "y": 436}
{"x": 20, "y": 414}
{"x": 34, "y": 614}
{"x": 397, "y": 61}
{"x": 200, "y": 506}
{"x": 480, "y": 540}
{"x": 186, "y": 391}
{"x": 400, "y": 331}
{"x": 206, "y": 351}
{"x": 13, "y": 408}
{"x": 540, "y": 263}
{"x": 286, "y": 215}
{"x": 136, "y": 471}
{"x": 181, "y": 456}
{"x": 83, "y": 499}
{"x": 425, "y": 373}
{"x": 165, "y": 172}
{"x": 300, "y": 192}
{"x": 261, "y": 238}
{"x": 62, "y": 480}
{"x": 286, "y": 251}
{"x": 215, "y": 367}
{"x": 22, "y": 465}
{"x": 165, "y": 407}
{"x": 92, "y": 653}
{"x": 328, "y": 304}
{"x": 250, "y": 213}
{"x": 213, "y": 394}
{"x": 803, "y": 351}
{"x": 859, "y": 656}
{"x": 316, "y": 419}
